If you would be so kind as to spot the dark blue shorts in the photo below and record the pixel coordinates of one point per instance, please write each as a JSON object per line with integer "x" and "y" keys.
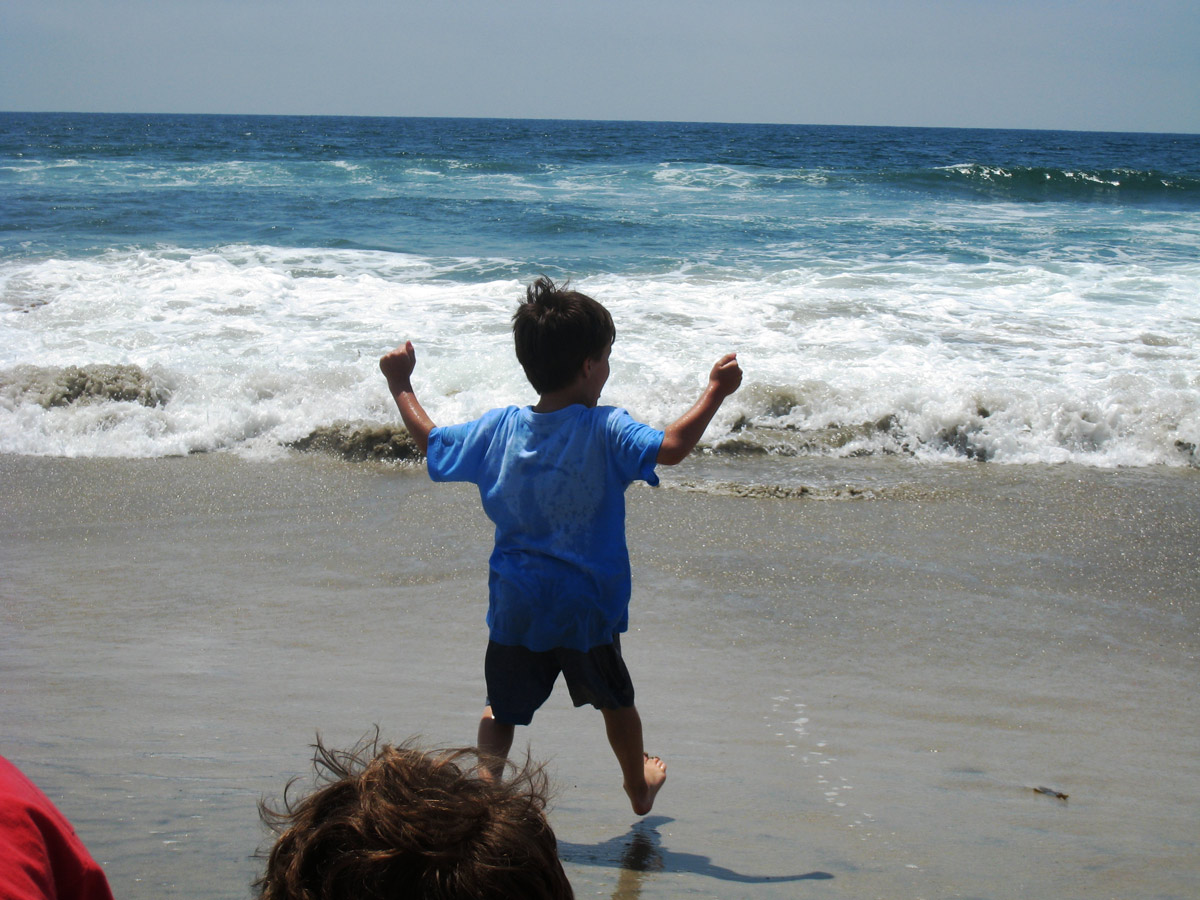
{"x": 519, "y": 680}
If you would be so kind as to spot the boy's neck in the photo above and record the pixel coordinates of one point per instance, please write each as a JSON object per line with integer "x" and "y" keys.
{"x": 561, "y": 399}
{"x": 584, "y": 389}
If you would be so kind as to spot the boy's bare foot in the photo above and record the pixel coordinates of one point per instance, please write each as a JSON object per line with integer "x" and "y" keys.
{"x": 656, "y": 777}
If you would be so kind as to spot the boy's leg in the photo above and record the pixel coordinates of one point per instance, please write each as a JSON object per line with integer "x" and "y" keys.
{"x": 600, "y": 677}
{"x": 644, "y": 775}
{"x": 518, "y": 683}
{"x": 495, "y": 740}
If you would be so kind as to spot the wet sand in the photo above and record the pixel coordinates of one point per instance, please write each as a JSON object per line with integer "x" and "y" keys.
{"x": 856, "y": 686}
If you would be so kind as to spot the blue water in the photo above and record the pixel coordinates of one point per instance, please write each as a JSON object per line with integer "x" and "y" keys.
{"x": 581, "y": 196}
{"x": 1008, "y": 295}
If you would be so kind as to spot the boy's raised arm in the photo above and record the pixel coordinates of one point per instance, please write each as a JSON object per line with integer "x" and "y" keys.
{"x": 398, "y": 366}
{"x": 685, "y": 432}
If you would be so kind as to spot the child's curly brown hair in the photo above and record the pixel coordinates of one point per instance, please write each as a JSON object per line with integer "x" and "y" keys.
{"x": 396, "y": 822}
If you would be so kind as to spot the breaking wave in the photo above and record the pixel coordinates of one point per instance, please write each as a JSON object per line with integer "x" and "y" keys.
{"x": 68, "y": 385}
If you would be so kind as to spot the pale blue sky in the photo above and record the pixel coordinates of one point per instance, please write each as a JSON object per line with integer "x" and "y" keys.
{"x": 1091, "y": 64}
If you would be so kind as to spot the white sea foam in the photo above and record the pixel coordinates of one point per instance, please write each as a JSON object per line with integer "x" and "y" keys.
{"x": 257, "y": 346}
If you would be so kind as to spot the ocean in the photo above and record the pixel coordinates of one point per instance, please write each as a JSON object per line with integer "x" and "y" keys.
{"x": 920, "y": 620}
{"x": 183, "y": 284}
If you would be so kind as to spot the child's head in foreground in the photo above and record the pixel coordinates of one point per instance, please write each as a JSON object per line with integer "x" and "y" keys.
{"x": 391, "y": 822}
{"x": 555, "y": 330}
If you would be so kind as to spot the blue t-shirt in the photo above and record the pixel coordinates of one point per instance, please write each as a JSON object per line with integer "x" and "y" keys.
{"x": 554, "y": 485}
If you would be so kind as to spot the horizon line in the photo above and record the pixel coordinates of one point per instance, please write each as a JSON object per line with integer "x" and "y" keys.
{"x": 584, "y": 119}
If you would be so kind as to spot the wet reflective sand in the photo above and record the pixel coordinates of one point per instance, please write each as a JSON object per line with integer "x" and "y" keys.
{"x": 857, "y": 687}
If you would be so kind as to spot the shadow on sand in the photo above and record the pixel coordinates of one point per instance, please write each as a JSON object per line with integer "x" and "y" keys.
{"x": 641, "y": 851}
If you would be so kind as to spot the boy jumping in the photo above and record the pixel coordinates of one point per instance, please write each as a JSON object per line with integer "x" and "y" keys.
{"x": 552, "y": 477}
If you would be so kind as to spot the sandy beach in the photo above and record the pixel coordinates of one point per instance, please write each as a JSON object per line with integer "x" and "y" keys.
{"x": 857, "y": 686}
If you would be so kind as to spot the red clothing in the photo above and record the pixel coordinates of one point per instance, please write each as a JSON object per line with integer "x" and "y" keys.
{"x": 41, "y": 858}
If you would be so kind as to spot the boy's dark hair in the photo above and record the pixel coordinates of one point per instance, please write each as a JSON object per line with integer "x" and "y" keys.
{"x": 555, "y": 330}
{"x": 387, "y": 822}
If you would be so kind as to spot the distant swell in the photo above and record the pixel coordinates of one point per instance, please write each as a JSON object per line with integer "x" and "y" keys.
{"x": 1036, "y": 183}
